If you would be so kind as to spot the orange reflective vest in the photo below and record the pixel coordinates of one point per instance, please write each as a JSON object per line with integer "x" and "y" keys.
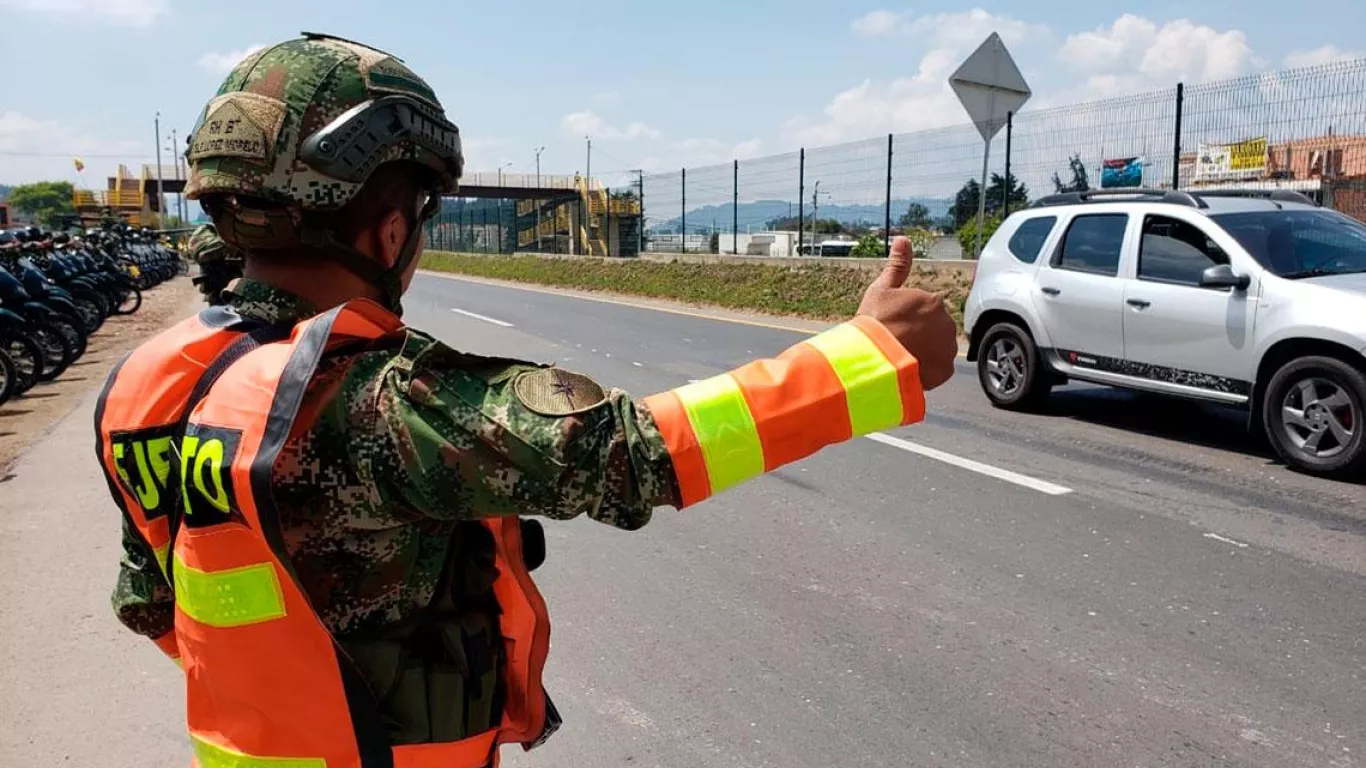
{"x": 267, "y": 684}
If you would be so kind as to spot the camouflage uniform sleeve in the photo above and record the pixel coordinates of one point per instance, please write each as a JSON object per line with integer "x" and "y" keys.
{"x": 460, "y": 436}
{"x": 142, "y": 599}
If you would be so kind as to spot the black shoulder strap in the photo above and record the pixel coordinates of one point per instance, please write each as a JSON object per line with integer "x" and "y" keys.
{"x": 249, "y": 341}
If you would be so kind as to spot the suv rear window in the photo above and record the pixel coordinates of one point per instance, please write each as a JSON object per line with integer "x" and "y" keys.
{"x": 1093, "y": 243}
{"x": 1028, "y": 240}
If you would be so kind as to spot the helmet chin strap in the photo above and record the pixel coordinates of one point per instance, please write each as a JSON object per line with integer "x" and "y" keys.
{"x": 388, "y": 280}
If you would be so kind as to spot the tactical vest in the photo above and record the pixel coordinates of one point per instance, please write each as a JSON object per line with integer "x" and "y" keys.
{"x": 267, "y": 684}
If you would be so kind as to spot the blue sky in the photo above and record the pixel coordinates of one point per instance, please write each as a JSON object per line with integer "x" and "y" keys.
{"x": 657, "y": 85}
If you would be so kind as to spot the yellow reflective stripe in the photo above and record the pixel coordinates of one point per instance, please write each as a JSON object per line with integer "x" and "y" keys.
{"x": 870, "y": 381}
{"x": 725, "y": 431}
{"x": 213, "y": 756}
{"x": 160, "y": 554}
{"x": 234, "y": 598}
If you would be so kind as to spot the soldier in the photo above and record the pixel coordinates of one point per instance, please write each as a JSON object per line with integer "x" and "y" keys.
{"x": 343, "y": 504}
{"x": 219, "y": 263}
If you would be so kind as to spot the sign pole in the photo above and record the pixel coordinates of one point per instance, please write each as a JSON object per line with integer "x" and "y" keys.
{"x": 982, "y": 200}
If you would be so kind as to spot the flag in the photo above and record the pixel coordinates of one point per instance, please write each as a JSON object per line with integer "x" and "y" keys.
{"x": 80, "y": 164}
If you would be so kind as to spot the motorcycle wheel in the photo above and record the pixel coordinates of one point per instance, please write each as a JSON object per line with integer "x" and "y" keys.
{"x": 27, "y": 357}
{"x": 130, "y": 302}
{"x": 92, "y": 316}
{"x": 73, "y": 334}
{"x": 8, "y": 378}
{"x": 57, "y": 351}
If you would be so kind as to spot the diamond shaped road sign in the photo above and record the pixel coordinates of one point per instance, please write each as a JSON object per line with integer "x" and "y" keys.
{"x": 990, "y": 86}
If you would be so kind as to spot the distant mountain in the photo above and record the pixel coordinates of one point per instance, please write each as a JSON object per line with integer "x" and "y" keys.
{"x": 756, "y": 215}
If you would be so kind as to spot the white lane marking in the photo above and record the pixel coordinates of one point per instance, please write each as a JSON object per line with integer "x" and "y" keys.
{"x": 1217, "y": 537}
{"x": 481, "y": 317}
{"x": 638, "y": 365}
{"x": 1024, "y": 481}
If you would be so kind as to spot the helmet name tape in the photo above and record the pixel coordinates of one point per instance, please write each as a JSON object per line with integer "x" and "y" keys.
{"x": 244, "y": 125}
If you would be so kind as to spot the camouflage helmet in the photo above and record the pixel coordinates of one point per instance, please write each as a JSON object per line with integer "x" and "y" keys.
{"x": 304, "y": 123}
{"x": 204, "y": 246}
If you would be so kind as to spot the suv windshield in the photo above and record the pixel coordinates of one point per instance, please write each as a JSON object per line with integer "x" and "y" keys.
{"x": 1300, "y": 243}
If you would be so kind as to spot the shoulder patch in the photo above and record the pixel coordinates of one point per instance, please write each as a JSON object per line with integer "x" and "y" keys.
{"x": 557, "y": 392}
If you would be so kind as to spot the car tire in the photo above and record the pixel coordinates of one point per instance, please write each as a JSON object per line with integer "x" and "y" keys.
{"x": 1314, "y": 413}
{"x": 1021, "y": 385}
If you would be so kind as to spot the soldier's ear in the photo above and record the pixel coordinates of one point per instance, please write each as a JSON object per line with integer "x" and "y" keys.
{"x": 390, "y": 234}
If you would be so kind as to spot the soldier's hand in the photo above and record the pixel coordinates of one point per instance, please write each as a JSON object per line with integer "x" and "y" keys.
{"x": 917, "y": 318}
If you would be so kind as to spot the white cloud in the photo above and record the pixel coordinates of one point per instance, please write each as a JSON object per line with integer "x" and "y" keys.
{"x": 1135, "y": 54}
{"x": 132, "y": 13}
{"x": 693, "y": 153}
{"x": 914, "y": 102}
{"x": 880, "y": 23}
{"x": 1131, "y": 55}
{"x": 223, "y": 63}
{"x": 588, "y": 123}
{"x": 964, "y": 29}
{"x": 36, "y": 150}
{"x": 1327, "y": 54}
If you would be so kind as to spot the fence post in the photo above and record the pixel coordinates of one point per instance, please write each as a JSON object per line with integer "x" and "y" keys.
{"x": 640, "y": 226}
{"x": 801, "y": 201}
{"x": 683, "y": 226}
{"x": 607, "y": 239}
{"x": 887, "y": 230}
{"x": 484, "y": 221}
{"x": 1005, "y": 202}
{"x": 735, "y": 210}
{"x": 1176, "y": 154}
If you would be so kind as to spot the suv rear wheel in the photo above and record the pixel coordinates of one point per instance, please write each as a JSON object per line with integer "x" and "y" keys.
{"x": 1315, "y": 415}
{"x": 1009, "y": 368}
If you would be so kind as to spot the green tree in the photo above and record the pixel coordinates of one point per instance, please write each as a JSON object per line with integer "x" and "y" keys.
{"x": 965, "y": 203}
{"x": 46, "y": 201}
{"x": 916, "y": 215}
{"x": 921, "y": 240}
{"x": 1080, "y": 179}
{"x": 870, "y": 246}
{"x": 967, "y": 235}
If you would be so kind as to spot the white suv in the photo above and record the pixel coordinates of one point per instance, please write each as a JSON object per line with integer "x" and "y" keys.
{"x": 1253, "y": 299}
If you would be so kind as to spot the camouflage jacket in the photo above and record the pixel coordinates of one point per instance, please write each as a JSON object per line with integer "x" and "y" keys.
{"x": 383, "y": 472}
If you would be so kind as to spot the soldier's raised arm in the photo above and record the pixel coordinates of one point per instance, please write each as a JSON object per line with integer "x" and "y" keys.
{"x": 478, "y": 437}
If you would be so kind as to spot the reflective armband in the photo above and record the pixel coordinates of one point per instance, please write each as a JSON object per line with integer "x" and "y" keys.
{"x": 852, "y": 380}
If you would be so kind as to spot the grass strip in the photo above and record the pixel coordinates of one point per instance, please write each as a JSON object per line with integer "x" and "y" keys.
{"x": 820, "y": 292}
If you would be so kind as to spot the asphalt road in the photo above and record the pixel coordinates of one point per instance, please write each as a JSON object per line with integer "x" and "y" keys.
{"x": 1120, "y": 581}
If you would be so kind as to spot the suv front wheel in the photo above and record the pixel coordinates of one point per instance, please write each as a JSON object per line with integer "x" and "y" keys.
{"x": 1313, "y": 412}
{"x": 1009, "y": 368}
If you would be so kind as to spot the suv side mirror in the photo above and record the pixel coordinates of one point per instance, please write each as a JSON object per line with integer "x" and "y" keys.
{"x": 1223, "y": 276}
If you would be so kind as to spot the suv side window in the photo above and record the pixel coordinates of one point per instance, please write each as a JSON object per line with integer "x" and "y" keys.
{"x": 1175, "y": 251}
{"x": 1093, "y": 244}
{"x": 1028, "y": 240}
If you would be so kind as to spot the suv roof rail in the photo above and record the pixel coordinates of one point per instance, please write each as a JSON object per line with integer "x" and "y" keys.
{"x": 1274, "y": 195}
{"x": 1126, "y": 195}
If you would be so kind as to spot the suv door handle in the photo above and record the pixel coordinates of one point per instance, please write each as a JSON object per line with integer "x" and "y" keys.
{"x": 1140, "y": 303}
{"x": 1051, "y": 291}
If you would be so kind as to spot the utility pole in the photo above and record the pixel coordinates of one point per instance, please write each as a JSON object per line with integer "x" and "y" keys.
{"x": 640, "y": 222}
{"x": 161, "y": 201}
{"x": 815, "y": 216}
{"x": 539, "y": 150}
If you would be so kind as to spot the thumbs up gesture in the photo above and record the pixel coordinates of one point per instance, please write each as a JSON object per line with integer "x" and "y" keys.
{"x": 916, "y": 318}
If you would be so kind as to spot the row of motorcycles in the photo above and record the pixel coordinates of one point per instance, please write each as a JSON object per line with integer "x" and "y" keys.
{"x": 57, "y": 289}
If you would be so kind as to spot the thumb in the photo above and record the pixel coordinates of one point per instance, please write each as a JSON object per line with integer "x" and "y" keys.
{"x": 898, "y": 264}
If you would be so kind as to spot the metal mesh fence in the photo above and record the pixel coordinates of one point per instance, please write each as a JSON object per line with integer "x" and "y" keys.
{"x": 1302, "y": 129}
